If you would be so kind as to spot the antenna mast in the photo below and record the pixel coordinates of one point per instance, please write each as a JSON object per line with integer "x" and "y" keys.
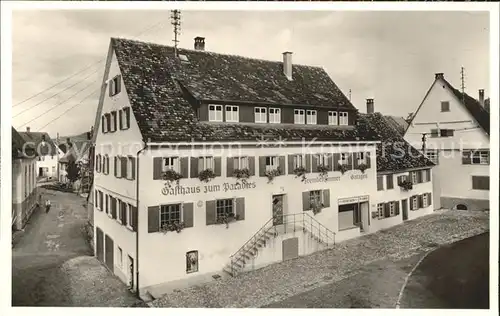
{"x": 175, "y": 16}
{"x": 462, "y": 78}
{"x": 349, "y": 94}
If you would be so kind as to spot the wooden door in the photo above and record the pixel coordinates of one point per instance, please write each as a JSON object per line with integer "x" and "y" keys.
{"x": 277, "y": 210}
{"x": 404, "y": 208}
{"x": 109, "y": 253}
{"x": 99, "y": 244}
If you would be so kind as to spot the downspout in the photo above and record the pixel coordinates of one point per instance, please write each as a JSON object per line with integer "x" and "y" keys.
{"x": 137, "y": 216}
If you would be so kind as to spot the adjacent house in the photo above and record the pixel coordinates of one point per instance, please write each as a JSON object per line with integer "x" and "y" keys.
{"x": 215, "y": 163}
{"x": 24, "y": 190}
{"x": 77, "y": 151}
{"x": 47, "y": 151}
{"x": 453, "y": 130}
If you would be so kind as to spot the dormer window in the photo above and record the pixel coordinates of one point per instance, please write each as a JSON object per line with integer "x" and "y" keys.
{"x": 232, "y": 113}
{"x": 343, "y": 118}
{"x": 115, "y": 86}
{"x": 311, "y": 116}
{"x": 299, "y": 117}
{"x": 215, "y": 113}
{"x": 274, "y": 115}
{"x": 332, "y": 118}
{"x": 260, "y": 115}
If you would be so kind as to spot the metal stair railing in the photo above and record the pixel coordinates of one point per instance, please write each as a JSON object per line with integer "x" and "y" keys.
{"x": 289, "y": 223}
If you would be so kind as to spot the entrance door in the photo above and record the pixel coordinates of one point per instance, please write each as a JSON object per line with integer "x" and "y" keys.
{"x": 290, "y": 248}
{"x": 109, "y": 253}
{"x": 277, "y": 209}
{"x": 40, "y": 172}
{"x": 131, "y": 272}
{"x": 99, "y": 244}
{"x": 404, "y": 207}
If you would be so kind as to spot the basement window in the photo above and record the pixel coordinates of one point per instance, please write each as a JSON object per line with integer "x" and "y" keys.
{"x": 192, "y": 261}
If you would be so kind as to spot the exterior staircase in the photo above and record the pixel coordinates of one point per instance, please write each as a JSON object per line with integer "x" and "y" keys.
{"x": 301, "y": 222}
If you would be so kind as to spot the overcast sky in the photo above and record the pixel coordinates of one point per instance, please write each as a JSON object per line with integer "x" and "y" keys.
{"x": 388, "y": 56}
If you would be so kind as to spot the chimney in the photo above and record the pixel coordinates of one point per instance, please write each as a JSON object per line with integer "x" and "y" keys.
{"x": 481, "y": 97}
{"x": 27, "y": 129}
{"x": 199, "y": 43}
{"x": 287, "y": 65}
{"x": 370, "y": 107}
{"x": 440, "y": 75}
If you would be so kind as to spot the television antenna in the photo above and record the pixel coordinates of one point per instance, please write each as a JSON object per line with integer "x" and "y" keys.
{"x": 175, "y": 16}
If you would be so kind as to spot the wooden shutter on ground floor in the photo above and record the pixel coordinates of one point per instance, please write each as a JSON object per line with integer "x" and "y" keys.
{"x": 466, "y": 157}
{"x": 314, "y": 162}
{"x": 134, "y": 217}
{"x": 282, "y": 165}
{"x": 290, "y": 164}
{"x": 326, "y": 198}
{"x": 368, "y": 159}
{"x": 349, "y": 161}
{"x": 194, "y": 167}
{"x": 113, "y": 207}
{"x": 251, "y": 165}
{"x": 240, "y": 208}
{"x": 336, "y": 165}
{"x": 230, "y": 166}
{"x": 184, "y": 162}
{"x": 308, "y": 162}
{"x": 355, "y": 161}
{"x": 330, "y": 161}
{"x": 306, "y": 203}
{"x": 217, "y": 166}
{"x": 387, "y": 211}
{"x": 187, "y": 214}
{"x": 420, "y": 201}
{"x": 396, "y": 207}
{"x": 157, "y": 168}
{"x": 429, "y": 199}
{"x": 153, "y": 219}
{"x": 211, "y": 212}
{"x": 411, "y": 203}
{"x": 262, "y": 166}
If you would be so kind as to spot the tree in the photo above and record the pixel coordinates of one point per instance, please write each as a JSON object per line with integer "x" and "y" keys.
{"x": 73, "y": 172}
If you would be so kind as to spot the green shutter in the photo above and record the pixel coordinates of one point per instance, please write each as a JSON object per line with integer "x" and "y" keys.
{"x": 368, "y": 159}
{"x": 355, "y": 161}
{"x": 326, "y": 198}
{"x": 211, "y": 213}
{"x": 153, "y": 219}
{"x": 262, "y": 166}
{"x": 306, "y": 203}
{"x": 194, "y": 167}
{"x": 157, "y": 168}
{"x": 308, "y": 162}
{"x": 396, "y": 207}
{"x": 217, "y": 166}
{"x": 282, "y": 165}
{"x": 387, "y": 211}
{"x": 251, "y": 165}
{"x": 184, "y": 161}
{"x": 420, "y": 202}
{"x": 187, "y": 215}
{"x": 290, "y": 164}
{"x": 349, "y": 161}
{"x": 240, "y": 208}
{"x": 336, "y": 165}
{"x": 230, "y": 166}
{"x": 314, "y": 162}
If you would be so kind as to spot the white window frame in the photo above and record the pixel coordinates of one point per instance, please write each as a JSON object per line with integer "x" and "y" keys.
{"x": 260, "y": 114}
{"x": 299, "y": 161}
{"x": 482, "y": 155}
{"x": 392, "y": 209}
{"x": 120, "y": 257}
{"x": 333, "y": 118}
{"x": 274, "y": 160}
{"x": 424, "y": 200}
{"x": 205, "y": 163}
{"x": 414, "y": 178}
{"x": 299, "y": 116}
{"x": 343, "y": 118}
{"x": 171, "y": 163}
{"x": 232, "y": 113}
{"x": 167, "y": 206}
{"x": 312, "y": 117}
{"x": 380, "y": 210}
{"x": 275, "y": 118}
{"x": 215, "y": 113}
{"x": 414, "y": 203}
{"x": 241, "y": 163}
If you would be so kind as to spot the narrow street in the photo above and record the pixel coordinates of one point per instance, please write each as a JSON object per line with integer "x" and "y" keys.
{"x": 51, "y": 241}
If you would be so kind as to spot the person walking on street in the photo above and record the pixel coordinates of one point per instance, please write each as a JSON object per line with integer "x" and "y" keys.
{"x": 47, "y": 206}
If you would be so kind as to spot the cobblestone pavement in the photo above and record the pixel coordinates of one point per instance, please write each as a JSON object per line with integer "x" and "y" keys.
{"x": 277, "y": 282}
{"x": 51, "y": 260}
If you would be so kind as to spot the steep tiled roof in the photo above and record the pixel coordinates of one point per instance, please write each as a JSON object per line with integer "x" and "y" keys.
{"x": 36, "y": 138}
{"x": 397, "y": 123}
{"x": 160, "y": 85}
{"x": 393, "y": 153}
{"x": 474, "y": 107}
{"x": 19, "y": 150}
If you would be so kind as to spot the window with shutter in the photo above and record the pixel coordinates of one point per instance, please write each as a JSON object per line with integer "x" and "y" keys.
{"x": 380, "y": 183}
{"x": 390, "y": 181}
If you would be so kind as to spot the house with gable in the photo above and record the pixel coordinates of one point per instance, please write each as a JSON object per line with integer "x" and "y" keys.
{"x": 217, "y": 164}
{"x": 453, "y": 130}
{"x": 48, "y": 153}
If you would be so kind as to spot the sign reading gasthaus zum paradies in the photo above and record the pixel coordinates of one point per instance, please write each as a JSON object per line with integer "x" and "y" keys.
{"x": 185, "y": 190}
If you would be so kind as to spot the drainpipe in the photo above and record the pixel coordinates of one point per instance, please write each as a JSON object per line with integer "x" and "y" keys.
{"x": 137, "y": 216}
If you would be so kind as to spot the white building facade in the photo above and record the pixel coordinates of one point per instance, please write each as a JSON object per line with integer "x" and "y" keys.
{"x": 254, "y": 188}
{"x": 456, "y": 128}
